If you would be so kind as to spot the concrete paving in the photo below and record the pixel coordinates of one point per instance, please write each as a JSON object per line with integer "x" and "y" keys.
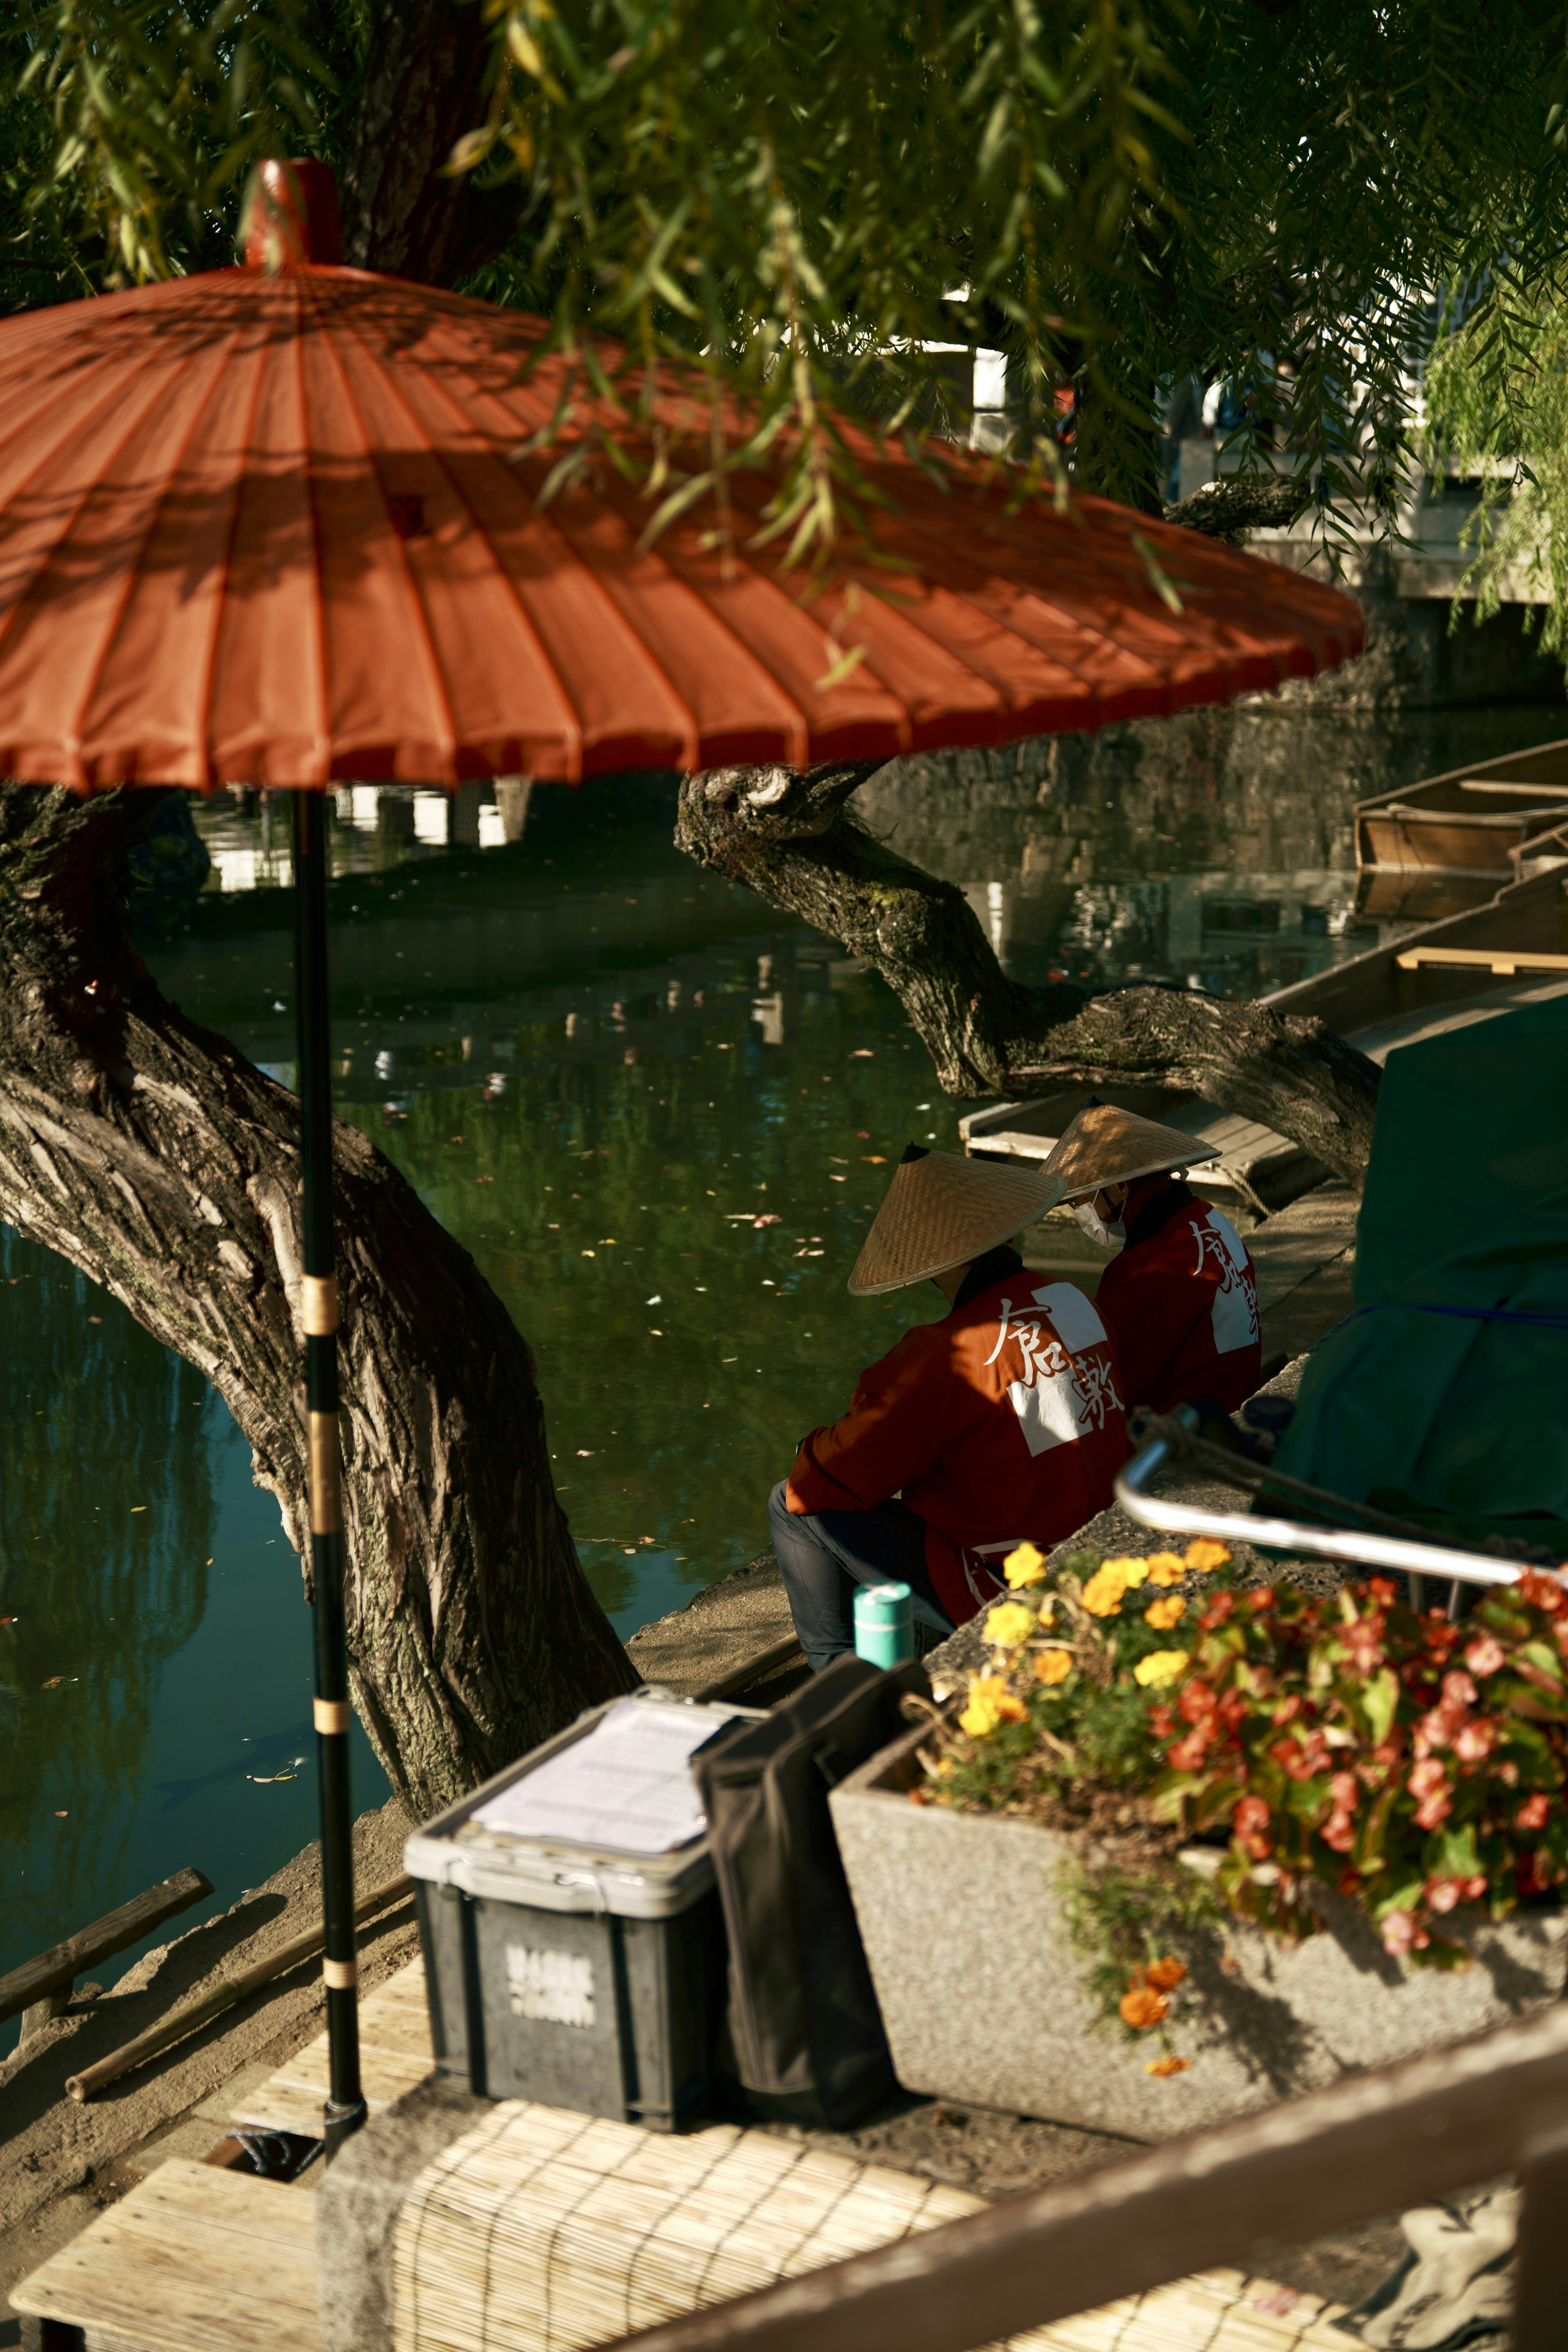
{"x": 1306, "y": 1260}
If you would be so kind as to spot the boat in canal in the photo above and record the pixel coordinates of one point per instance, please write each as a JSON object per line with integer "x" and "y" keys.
{"x": 1472, "y": 823}
{"x": 1468, "y": 966}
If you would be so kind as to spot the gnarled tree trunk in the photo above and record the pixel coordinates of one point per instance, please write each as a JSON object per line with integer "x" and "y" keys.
{"x": 155, "y": 1158}
{"x": 789, "y": 834}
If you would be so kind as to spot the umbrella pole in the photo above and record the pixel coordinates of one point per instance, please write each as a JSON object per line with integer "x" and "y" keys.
{"x": 345, "y": 2108}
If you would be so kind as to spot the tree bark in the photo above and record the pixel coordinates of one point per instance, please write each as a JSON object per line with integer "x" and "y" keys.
{"x": 789, "y": 834}
{"x": 424, "y": 88}
{"x": 155, "y": 1158}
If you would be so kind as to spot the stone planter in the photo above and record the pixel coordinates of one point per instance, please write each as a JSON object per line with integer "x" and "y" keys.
{"x": 981, "y": 1990}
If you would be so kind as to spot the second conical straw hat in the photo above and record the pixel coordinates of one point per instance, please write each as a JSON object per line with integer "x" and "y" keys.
{"x": 940, "y": 1210}
{"x": 1106, "y": 1145}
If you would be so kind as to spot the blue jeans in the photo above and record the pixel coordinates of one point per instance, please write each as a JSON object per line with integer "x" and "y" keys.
{"x": 822, "y": 1556}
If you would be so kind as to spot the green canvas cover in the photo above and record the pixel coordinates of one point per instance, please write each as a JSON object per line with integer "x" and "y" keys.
{"x": 1456, "y": 1421}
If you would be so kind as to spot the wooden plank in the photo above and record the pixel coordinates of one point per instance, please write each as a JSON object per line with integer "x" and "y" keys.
{"x": 395, "y": 2056}
{"x": 54, "y": 1970}
{"x": 1504, "y": 961}
{"x": 193, "y": 2260}
{"x": 208, "y": 2005}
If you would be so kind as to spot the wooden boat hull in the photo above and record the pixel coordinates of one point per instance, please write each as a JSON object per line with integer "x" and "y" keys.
{"x": 1472, "y": 823}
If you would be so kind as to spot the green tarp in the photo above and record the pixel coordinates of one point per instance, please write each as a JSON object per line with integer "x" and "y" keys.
{"x": 1460, "y": 1423}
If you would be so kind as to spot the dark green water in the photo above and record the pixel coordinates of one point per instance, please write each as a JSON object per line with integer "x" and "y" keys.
{"x": 598, "y": 1066}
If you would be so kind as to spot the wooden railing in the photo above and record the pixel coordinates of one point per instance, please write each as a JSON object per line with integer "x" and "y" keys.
{"x": 1406, "y": 2135}
{"x": 41, "y": 1988}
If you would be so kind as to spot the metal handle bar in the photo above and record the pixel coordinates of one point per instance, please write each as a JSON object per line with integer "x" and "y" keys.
{"x": 1366, "y": 1551}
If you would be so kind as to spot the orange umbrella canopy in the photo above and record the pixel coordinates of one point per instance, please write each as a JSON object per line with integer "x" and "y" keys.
{"x": 286, "y": 528}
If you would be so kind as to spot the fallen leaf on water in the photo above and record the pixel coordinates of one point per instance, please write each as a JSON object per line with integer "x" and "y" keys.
{"x": 585, "y": 1454}
{"x": 875, "y": 1158}
{"x": 862, "y": 1054}
{"x": 768, "y": 1220}
{"x": 590, "y": 1253}
{"x": 138, "y": 1507}
{"x": 655, "y": 1335}
{"x": 838, "y": 1180}
{"x": 95, "y": 1318}
{"x": 62, "y": 1817}
{"x": 55, "y": 1680}
{"x": 11, "y": 1620}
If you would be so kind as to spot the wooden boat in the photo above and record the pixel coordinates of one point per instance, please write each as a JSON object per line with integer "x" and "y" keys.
{"x": 1470, "y": 822}
{"x": 1480, "y": 961}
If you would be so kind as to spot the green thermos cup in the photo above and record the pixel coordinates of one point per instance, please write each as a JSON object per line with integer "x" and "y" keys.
{"x": 884, "y": 1623}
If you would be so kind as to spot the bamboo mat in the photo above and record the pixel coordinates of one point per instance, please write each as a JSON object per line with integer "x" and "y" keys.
{"x": 395, "y": 2056}
{"x": 546, "y": 2231}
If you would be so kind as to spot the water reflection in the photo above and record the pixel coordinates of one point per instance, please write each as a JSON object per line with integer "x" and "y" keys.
{"x": 106, "y": 1536}
{"x": 1215, "y": 850}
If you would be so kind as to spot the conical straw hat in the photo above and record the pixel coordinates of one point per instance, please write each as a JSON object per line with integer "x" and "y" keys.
{"x": 940, "y": 1210}
{"x": 1108, "y": 1146}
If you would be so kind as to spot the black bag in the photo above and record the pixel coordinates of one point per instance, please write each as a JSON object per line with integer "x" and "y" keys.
{"x": 806, "y": 2031}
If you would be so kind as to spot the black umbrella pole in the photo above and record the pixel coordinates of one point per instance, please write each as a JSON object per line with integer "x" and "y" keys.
{"x": 345, "y": 2108}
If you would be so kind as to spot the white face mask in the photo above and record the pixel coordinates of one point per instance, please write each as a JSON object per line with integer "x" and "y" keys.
{"x": 1091, "y": 1221}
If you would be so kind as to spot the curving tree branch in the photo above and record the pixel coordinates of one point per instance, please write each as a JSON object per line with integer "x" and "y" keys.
{"x": 790, "y": 835}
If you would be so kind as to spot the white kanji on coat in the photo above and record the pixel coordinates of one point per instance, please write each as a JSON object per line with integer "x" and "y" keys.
{"x": 1068, "y": 1382}
{"x": 1235, "y": 1310}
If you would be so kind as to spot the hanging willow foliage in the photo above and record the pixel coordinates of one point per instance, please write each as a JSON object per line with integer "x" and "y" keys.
{"x": 1497, "y": 404}
{"x": 802, "y": 200}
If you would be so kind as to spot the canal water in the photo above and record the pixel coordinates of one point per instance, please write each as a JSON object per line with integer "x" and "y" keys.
{"x": 600, "y": 1066}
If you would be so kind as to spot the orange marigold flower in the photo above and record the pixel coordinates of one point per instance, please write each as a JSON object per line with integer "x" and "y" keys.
{"x": 1163, "y": 1614}
{"x": 1166, "y": 1568}
{"x": 1053, "y": 1665}
{"x": 1205, "y": 1555}
{"x": 1164, "y": 1975}
{"x": 1168, "y": 2064}
{"x": 1140, "y": 2007}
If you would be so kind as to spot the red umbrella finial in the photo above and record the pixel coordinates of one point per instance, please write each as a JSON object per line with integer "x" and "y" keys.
{"x": 291, "y": 215}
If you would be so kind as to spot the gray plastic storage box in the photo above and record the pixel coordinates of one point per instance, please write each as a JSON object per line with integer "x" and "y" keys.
{"x": 582, "y": 1975}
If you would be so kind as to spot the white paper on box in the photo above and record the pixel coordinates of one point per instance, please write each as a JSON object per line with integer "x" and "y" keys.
{"x": 627, "y": 1783}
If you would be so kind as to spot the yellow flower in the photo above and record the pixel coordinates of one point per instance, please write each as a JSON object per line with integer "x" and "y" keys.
{"x": 1009, "y": 1623}
{"x": 1204, "y": 1554}
{"x": 1163, "y": 1614}
{"x": 990, "y": 1703}
{"x": 1109, "y": 1586}
{"x": 1024, "y": 1566}
{"x": 1159, "y": 1666}
{"x": 1166, "y": 1568}
{"x": 1053, "y": 1665}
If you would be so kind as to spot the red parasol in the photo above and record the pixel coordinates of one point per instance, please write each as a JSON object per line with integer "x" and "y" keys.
{"x": 284, "y": 530}
{"x": 288, "y": 528}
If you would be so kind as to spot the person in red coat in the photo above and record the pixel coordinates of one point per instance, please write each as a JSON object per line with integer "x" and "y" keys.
{"x": 1000, "y": 1423}
{"x": 1180, "y": 1299}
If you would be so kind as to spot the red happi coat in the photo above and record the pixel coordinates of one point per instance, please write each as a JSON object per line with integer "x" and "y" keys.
{"x": 1002, "y": 1421}
{"x": 1180, "y": 1302}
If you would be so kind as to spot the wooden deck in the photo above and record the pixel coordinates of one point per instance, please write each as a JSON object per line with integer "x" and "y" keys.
{"x": 395, "y": 2056}
{"x": 193, "y": 2260}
